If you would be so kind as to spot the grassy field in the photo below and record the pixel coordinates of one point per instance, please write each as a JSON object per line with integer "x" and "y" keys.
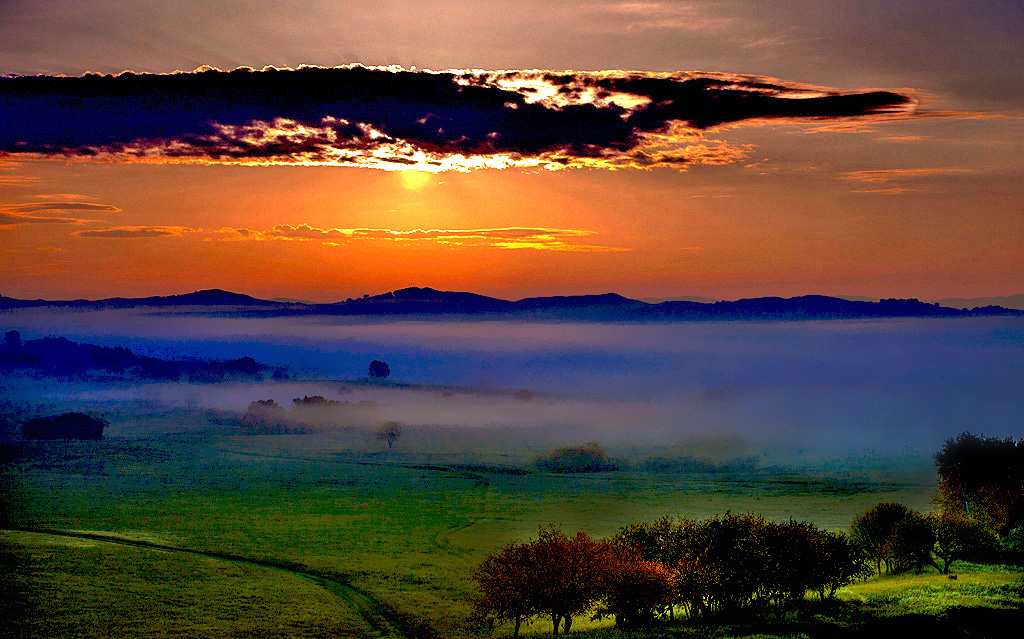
{"x": 406, "y": 528}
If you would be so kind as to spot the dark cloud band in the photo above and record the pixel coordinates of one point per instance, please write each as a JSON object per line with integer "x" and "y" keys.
{"x": 395, "y": 118}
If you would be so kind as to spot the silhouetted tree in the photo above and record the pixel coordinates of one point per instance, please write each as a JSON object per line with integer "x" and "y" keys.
{"x": 12, "y": 340}
{"x": 389, "y": 432}
{"x": 379, "y": 370}
{"x": 152, "y": 368}
{"x": 314, "y": 401}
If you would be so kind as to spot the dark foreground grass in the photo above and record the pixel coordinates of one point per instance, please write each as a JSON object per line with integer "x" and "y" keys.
{"x": 64, "y": 587}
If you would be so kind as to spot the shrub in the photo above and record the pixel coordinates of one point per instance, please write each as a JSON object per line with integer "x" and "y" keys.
{"x": 588, "y": 458}
{"x": 66, "y": 426}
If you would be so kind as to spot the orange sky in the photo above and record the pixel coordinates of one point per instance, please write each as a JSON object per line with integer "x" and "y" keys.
{"x": 928, "y": 207}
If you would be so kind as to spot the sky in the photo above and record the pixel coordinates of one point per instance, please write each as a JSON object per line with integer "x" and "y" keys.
{"x": 324, "y": 150}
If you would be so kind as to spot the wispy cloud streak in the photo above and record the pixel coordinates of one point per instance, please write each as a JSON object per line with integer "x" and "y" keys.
{"x": 50, "y": 212}
{"x": 502, "y": 238}
{"x": 393, "y": 118}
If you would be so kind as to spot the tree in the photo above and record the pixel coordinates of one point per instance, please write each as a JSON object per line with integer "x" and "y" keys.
{"x": 505, "y": 586}
{"x": 983, "y": 478}
{"x": 634, "y": 589}
{"x": 522, "y": 395}
{"x": 12, "y": 340}
{"x": 379, "y": 370}
{"x": 389, "y": 432}
{"x": 893, "y": 534}
{"x": 554, "y": 575}
{"x": 840, "y": 563}
{"x": 959, "y": 537}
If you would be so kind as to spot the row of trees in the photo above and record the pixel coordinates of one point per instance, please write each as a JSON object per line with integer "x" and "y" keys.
{"x": 722, "y": 565}
{"x": 737, "y": 563}
{"x": 902, "y": 539}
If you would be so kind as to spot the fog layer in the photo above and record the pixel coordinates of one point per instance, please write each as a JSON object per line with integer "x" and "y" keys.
{"x": 883, "y": 384}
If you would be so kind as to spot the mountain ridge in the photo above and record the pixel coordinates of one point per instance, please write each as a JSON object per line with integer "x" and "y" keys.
{"x": 592, "y": 307}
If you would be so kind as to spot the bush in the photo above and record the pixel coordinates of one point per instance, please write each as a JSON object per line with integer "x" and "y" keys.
{"x": 66, "y": 426}
{"x": 588, "y": 458}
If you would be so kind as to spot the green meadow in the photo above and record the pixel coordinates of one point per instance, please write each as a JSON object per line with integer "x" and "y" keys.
{"x": 333, "y": 535}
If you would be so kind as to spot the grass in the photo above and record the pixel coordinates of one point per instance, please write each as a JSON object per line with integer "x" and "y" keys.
{"x": 975, "y": 585}
{"x": 58, "y": 587}
{"x": 404, "y": 528}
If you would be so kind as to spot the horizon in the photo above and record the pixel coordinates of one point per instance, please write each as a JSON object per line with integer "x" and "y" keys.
{"x": 288, "y": 298}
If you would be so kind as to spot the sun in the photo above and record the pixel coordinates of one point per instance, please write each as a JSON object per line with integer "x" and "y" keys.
{"x": 415, "y": 180}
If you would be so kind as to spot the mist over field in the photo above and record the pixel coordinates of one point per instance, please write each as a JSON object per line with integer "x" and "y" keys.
{"x": 784, "y": 388}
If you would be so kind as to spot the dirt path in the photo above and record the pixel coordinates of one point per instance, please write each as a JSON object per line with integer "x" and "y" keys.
{"x": 380, "y": 619}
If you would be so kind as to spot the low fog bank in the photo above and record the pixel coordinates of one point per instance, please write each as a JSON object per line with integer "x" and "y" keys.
{"x": 691, "y": 431}
{"x": 792, "y": 392}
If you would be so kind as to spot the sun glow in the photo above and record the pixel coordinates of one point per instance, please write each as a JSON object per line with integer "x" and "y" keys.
{"x": 415, "y": 180}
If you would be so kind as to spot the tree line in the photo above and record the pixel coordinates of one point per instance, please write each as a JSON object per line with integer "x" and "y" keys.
{"x": 745, "y": 563}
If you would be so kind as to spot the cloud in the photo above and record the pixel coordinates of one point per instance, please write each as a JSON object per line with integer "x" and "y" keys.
{"x": 393, "y": 118}
{"x": 13, "y": 178}
{"x": 888, "y": 175}
{"x": 133, "y": 232}
{"x": 37, "y": 207}
{"x": 640, "y": 16}
{"x": 49, "y": 212}
{"x": 502, "y": 238}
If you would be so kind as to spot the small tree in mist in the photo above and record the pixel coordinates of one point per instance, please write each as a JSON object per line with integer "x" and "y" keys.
{"x": 389, "y": 432}
{"x": 522, "y": 395}
{"x": 379, "y": 370}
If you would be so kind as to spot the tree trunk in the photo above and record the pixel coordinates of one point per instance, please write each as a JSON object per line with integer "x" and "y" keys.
{"x": 567, "y": 624}
{"x": 519, "y": 620}
{"x": 555, "y": 620}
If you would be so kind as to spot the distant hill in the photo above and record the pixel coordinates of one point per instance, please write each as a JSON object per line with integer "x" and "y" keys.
{"x": 416, "y": 301}
{"x": 689, "y": 298}
{"x": 1009, "y": 301}
{"x": 209, "y": 297}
